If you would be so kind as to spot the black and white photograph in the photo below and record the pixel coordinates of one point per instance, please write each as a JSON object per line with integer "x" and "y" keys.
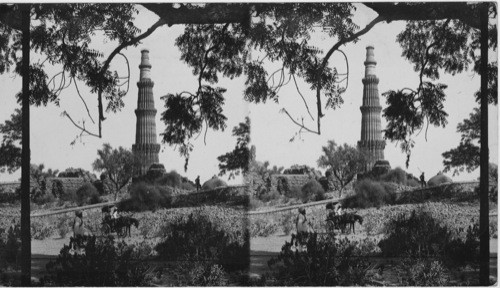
{"x": 248, "y": 144}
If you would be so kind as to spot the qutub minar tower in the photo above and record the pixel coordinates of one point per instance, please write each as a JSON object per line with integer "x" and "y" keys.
{"x": 145, "y": 148}
{"x": 371, "y": 133}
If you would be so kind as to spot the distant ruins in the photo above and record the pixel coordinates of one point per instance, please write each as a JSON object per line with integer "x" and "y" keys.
{"x": 371, "y": 141}
{"x": 146, "y": 147}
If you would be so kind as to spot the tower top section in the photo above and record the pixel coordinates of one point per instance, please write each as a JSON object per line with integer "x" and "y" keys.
{"x": 370, "y": 62}
{"x": 145, "y": 66}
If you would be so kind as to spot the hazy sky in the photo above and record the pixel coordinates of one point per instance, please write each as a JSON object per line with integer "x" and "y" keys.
{"x": 51, "y": 134}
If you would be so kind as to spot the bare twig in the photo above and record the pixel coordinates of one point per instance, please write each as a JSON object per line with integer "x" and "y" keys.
{"x": 128, "y": 71}
{"x": 84, "y": 103}
{"x": 302, "y": 126}
{"x": 302, "y": 96}
{"x": 82, "y": 129}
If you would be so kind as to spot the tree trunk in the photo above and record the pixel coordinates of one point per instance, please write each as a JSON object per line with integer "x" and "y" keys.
{"x": 484, "y": 237}
{"x": 25, "y": 156}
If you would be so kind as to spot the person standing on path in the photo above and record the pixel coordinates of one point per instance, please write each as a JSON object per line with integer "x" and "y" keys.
{"x": 78, "y": 224}
{"x": 197, "y": 182}
{"x": 303, "y": 228}
{"x": 422, "y": 180}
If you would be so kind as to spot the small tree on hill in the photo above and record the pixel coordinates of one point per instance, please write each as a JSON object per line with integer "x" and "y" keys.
{"x": 344, "y": 162}
{"x": 117, "y": 164}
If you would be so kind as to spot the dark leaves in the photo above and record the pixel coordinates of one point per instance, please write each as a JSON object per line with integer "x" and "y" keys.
{"x": 180, "y": 119}
{"x": 466, "y": 155}
{"x": 10, "y": 148}
{"x": 238, "y": 160}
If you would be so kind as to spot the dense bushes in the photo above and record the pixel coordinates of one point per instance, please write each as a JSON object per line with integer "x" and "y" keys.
{"x": 424, "y": 272}
{"x": 323, "y": 263}
{"x": 198, "y": 239}
{"x": 175, "y": 180}
{"x": 396, "y": 175}
{"x": 10, "y": 246}
{"x": 87, "y": 194}
{"x": 145, "y": 196}
{"x": 420, "y": 235}
{"x": 370, "y": 193}
{"x": 102, "y": 263}
{"x": 312, "y": 191}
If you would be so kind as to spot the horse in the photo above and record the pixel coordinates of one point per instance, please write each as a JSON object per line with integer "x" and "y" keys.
{"x": 350, "y": 219}
{"x": 126, "y": 222}
{"x": 337, "y": 222}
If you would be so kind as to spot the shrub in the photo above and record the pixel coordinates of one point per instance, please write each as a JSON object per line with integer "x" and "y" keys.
{"x": 108, "y": 263}
{"x": 40, "y": 229}
{"x": 370, "y": 193}
{"x": 172, "y": 179}
{"x": 421, "y": 272}
{"x": 324, "y": 183}
{"x": 294, "y": 192}
{"x": 312, "y": 191}
{"x": 287, "y": 222}
{"x": 213, "y": 183}
{"x": 254, "y": 204}
{"x": 282, "y": 186}
{"x": 146, "y": 197}
{"x": 458, "y": 251}
{"x": 87, "y": 194}
{"x": 57, "y": 188}
{"x": 323, "y": 263}
{"x": 419, "y": 235}
{"x": 199, "y": 240}
{"x": 63, "y": 226}
{"x": 207, "y": 274}
{"x": 267, "y": 196}
{"x": 9, "y": 197}
{"x": 187, "y": 186}
{"x": 262, "y": 228}
{"x": 11, "y": 248}
{"x": 396, "y": 175}
{"x": 412, "y": 182}
{"x": 43, "y": 198}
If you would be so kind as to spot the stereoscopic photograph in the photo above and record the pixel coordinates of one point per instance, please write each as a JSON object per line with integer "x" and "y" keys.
{"x": 248, "y": 144}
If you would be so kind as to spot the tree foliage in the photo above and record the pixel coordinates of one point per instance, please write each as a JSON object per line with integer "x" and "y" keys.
{"x": 446, "y": 45}
{"x": 237, "y": 161}
{"x": 344, "y": 162}
{"x": 10, "y": 148}
{"x": 278, "y": 32}
{"x": 466, "y": 155}
{"x": 118, "y": 164}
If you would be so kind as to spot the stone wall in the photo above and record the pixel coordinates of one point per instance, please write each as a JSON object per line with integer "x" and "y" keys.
{"x": 9, "y": 187}
{"x": 69, "y": 184}
{"x": 297, "y": 180}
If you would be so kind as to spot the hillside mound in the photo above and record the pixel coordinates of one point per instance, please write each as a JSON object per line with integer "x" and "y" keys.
{"x": 438, "y": 180}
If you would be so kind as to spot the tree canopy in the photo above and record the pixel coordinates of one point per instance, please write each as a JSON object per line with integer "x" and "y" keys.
{"x": 465, "y": 157}
{"x": 217, "y": 42}
{"x": 344, "y": 162}
{"x": 118, "y": 164}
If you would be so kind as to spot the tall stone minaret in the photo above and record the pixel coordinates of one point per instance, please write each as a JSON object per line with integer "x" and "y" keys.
{"x": 145, "y": 148}
{"x": 371, "y": 133}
